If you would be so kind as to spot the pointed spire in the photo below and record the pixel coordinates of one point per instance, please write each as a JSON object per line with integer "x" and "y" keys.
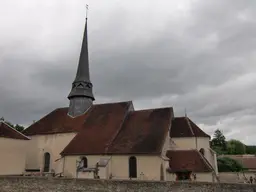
{"x": 82, "y": 85}
{"x": 83, "y": 65}
{"x": 81, "y": 95}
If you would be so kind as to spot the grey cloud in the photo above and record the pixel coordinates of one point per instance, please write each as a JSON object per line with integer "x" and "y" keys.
{"x": 203, "y": 60}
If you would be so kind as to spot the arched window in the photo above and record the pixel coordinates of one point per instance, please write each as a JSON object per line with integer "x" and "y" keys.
{"x": 132, "y": 167}
{"x": 47, "y": 160}
{"x": 201, "y": 151}
{"x": 85, "y": 162}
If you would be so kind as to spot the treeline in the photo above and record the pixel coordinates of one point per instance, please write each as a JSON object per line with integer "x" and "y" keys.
{"x": 18, "y": 127}
{"x": 231, "y": 147}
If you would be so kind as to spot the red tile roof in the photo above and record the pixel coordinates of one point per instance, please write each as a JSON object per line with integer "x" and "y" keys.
{"x": 143, "y": 132}
{"x": 184, "y": 127}
{"x": 55, "y": 122}
{"x": 187, "y": 160}
{"x": 115, "y": 128}
{"x": 59, "y": 122}
{"x": 9, "y": 132}
{"x": 99, "y": 129}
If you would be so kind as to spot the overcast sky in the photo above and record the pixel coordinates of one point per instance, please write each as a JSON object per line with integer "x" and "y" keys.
{"x": 193, "y": 54}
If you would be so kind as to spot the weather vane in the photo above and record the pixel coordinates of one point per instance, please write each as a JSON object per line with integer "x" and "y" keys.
{"x": 87, "y": 10}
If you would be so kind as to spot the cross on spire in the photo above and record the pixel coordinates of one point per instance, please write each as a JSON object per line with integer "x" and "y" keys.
{"x": 87, "y": 11}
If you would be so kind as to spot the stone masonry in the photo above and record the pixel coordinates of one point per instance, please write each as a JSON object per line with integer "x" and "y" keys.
{"x": 28, "y": 184}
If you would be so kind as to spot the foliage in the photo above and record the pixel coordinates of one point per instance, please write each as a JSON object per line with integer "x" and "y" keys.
{"x": 250, "y": 149}
{"x": 219, "y": 143}
{"x": 235, "y": 147}
{"x": 18, "y": 127}
{"x": 226, "y": 164}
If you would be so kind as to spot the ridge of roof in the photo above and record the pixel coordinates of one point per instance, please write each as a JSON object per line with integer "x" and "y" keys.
{"x": 11, "y": 128}
{"x": 121, "y": 125}
{"x": 109, "y": 103}
{"x": 185, "y": 127}
{"x": 189, "y": 125}
{"x": 151, "y": 109}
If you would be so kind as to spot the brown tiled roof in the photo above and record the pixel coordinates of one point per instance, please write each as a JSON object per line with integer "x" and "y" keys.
{"x": 55, "y": 122}
{"x": 59, "y": 122}
{"x": 134, "y": 132}
{"x": 187, "y": 160}
{"x": 9, "y": 132}
{"x": 184, "y": 127}
{"x": 143, "y": 132}
{"x": 99, "y": 129}
{"x": 248, "y": 161}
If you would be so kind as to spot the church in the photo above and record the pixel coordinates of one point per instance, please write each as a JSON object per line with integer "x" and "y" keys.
{"x": 108, "y": 141}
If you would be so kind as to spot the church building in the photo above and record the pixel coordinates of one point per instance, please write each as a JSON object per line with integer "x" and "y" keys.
{"x": 109, "y": 140}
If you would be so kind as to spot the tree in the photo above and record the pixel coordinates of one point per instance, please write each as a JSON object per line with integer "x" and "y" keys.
{"x": 235, "y": 147}
{"x": 250, "y": 149}
{"x": 226, "y": 164}
{"x": 18, "y": 127}
{"x": 218, "y": 142}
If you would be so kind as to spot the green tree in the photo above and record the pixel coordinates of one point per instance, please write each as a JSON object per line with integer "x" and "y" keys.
{"x": 218, "y": 142}
{"x": 226, "y": 164}
{"x": 18, "y": 127}
{"x": 250, "y": 149}
{"x": 235, "y": 147}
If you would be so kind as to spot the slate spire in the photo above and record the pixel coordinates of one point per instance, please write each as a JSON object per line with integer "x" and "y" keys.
{"x": 81, "y": 95}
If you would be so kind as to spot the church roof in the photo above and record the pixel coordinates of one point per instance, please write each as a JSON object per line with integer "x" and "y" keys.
{"x": 127, "y": 132}
{"x": 143, "y": 132}
{"x": 59, "y": 122}
{"x": 184, "y": 127}
{"x": 9, "y": 132}
{"x": 187, "y": 160}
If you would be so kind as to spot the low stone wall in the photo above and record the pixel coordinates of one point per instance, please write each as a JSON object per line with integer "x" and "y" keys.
{"x": 28, "y": 184}
{"x": 242, "y": 177}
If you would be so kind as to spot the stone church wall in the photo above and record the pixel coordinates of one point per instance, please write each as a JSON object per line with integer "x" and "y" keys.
{"x": 148, "y": 166}
{"x": 28, "y": 184}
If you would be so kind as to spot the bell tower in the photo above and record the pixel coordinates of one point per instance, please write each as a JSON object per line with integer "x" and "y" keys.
{"x": 81, "y": 95}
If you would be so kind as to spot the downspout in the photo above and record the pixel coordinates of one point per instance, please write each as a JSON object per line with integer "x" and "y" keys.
{"x": 196, "y": 142}
{"x": 63, "y": 166}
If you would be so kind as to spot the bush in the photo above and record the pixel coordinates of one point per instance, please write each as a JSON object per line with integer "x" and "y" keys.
{"x": 226, "y": 164}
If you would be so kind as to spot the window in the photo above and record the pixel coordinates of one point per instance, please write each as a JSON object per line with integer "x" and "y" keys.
{"x": 132, "y": 167}
{"x": 85, "y": 162}
{"x": 47, "y": 160}
{"x": 201, "y": 151}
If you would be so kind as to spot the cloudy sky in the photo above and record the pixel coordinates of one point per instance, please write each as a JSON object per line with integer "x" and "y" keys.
{"x": 193, "y": 54}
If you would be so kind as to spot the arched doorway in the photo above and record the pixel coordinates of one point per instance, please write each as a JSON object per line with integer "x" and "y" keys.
{"x": 85, "y": 162}
{"x": 132, "y": 167}
{"x": 47, "y": 160}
